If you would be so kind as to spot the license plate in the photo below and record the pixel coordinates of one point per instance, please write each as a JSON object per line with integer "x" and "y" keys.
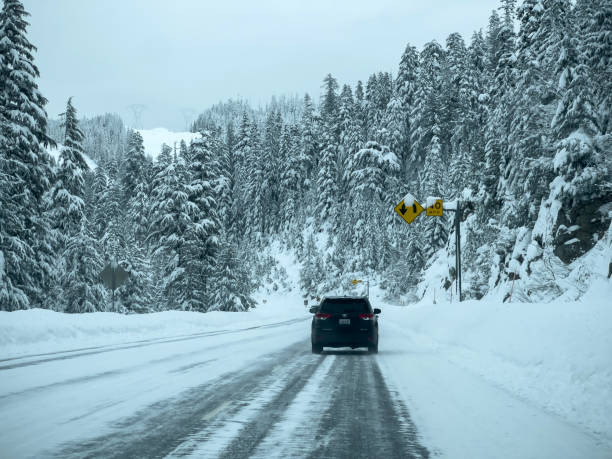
{"x": 344, "y": 321}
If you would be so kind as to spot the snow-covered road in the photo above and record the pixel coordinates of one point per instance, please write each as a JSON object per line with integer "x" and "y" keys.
{"x": 257, "y": 391}
{"x": 237, "y": 393}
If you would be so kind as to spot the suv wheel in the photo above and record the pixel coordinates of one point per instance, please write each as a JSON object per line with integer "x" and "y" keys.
{"x": 373, "y": 349}
{"x": 317, "y": 349}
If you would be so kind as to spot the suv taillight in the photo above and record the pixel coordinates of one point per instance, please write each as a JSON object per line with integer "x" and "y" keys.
{"x": 366, "y": 316}
{"x": 323, "y": 315}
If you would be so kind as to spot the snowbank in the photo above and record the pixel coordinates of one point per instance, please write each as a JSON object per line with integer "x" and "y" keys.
{"x": 557, "y": 355}
{"x": 38, "y": 330}
{"x": 153, "y": 139}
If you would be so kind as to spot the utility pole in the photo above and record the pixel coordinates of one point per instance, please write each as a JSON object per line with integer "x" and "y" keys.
{"x": 458, "y": 249}
{"x": 137, "y": 110}
{"x": 188, "y": 115}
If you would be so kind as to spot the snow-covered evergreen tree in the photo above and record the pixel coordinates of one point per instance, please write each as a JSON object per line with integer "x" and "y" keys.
{"x": 436, "y": 230}
{"x": 24, "y": 166}
{"x": 327, "y": 186}
{"x": 232, "y": 282}
{"x": 405, "y": 87}
{"x": 428, "y": 106}
{"x": 81, "y": 289}
{"x": 577, "y": 160}
{"x": 170, "y": 219}
{"x": 133, "y": 173}
{"x": 202, "y": 234}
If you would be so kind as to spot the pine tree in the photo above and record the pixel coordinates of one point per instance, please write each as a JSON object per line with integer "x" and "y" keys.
{"x": 577, "y": 160}
{"x": 69, "y": 188}
{"x": 595, "y": 22}
{"x": 270, "y": 164}
{"x": 330, "y": 104}
{"x": 98, "y": 220}
{"x": 312, "y": 273}
{"x": 116, "y": 234}
{"x": 225, "y": 185}
{"x": 309, "y": 143}
{"x": 529, "y": 128}
{"x": 374, "y": 165}
{"x": 291, "y": 186}
{"x": 427, "y": 110}
{"x": 405, "y": 87}
{"x": 456, "y": 101}
{"x": 254, "y": 193}
{"x": 80, "y": 263}
{"x": 327, "y": 186}
{"x": 347, "y": 140}
{"x": 433, "y": 184}
{"x": 232, "y": 282}
{"x": 24, "y": 166}
{"x": 478, "y": 95}
{"x": 202, "y": 237}
{"x": 82, "y": 291}
{"x": 134, "y": 163}
{"x": 136, "y": 295}
{"x": 242, "y": 153}
{"x": 170, "y": 219}
{"x": 395, "y": 126}
{"x": 493, "y": 41}
{"x": 502, "y": 111}
{"x": 361, "y": 118}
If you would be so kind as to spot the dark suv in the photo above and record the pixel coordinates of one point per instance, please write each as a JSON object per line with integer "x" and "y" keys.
{"x": 344, "y": 322}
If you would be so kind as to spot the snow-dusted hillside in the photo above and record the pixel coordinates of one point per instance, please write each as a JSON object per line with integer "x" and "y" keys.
{"x": 55, "y": 152}
{"x": 154, "y": 138}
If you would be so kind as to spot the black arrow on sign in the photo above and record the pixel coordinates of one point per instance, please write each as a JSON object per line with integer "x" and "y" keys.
{"x": 403, "y": 209}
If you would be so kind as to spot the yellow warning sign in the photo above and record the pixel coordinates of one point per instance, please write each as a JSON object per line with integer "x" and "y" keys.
{"x": 409, "y": 208}
{"x": 434, "y": 208}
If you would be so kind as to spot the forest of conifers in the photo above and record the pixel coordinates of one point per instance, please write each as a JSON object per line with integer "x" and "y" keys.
{"x": 514, "y": 120}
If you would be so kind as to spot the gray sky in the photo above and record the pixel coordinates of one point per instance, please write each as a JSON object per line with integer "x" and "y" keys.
{"x": 172, "y": 55}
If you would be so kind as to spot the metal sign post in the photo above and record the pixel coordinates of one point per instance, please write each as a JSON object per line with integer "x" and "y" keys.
{"x": 458, "y": 216}
{"x": 114, "y": 276}
{"x": 409, "y": 209}
{"x": 359, "y": 281}
{"x": 458, "y": 249}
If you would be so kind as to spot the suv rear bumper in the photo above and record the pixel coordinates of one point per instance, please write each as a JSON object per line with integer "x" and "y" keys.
{"x": 334, "y": 339}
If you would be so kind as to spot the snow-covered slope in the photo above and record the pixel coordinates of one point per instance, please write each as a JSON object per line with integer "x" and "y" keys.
{"x": 154, "y": 138}
{"x": 55, "y": 152}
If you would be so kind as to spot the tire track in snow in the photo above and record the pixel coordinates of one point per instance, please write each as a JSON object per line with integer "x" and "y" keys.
{"x": 363, "y": 420}
{"x": 238, "y": 434}
{"x": 292, "y": 435}
{"x": 163, "y": 427}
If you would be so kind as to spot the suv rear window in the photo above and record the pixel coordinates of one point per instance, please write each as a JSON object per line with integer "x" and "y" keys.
{"x": 344, "y": 305}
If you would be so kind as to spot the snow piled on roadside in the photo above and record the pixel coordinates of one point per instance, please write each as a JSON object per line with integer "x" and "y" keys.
{"x": 557, "y": 355}
{"x": 38, "y": 330}
{"x": 153, "y": 139}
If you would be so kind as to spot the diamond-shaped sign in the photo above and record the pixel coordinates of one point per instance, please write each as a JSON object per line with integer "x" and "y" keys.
{"x": 114, "y": 276}
{"x": 409, "y": 208}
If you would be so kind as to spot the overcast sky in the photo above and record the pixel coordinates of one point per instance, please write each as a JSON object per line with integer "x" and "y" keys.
{"x": 189, "y": 54}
